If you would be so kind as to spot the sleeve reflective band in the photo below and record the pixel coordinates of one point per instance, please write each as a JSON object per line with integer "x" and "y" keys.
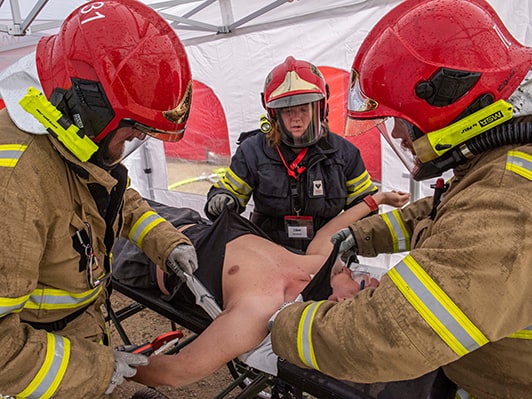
{"x": 358, "y": 186}
{"x": 54, "y": 299}
{"x": 12, "y": 305}
{"x": 400, "y": 236}
{"x": 143, "y": 226}
{"x": 52, "y": 371}
{"x": 234, "y": 184}
{"x": 304, "y": 335}
{"x": 10, "y": 154}
{"x": 436, "y": 308}
{"x": 522, "y": 334}
{"x": 520, "y": 163}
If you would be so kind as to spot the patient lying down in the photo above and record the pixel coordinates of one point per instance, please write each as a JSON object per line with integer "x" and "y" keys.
{"x": 250, "y": 277}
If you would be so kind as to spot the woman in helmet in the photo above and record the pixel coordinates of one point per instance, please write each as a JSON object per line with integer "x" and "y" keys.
{"x": 115, "y": 74}
{"x": 460, "y": 299}
{"x": 300, "y": 174}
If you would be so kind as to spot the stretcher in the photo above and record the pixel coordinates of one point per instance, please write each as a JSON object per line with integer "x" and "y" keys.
{"x": 291, "y": 382}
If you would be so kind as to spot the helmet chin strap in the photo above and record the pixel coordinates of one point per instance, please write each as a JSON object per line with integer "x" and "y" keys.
{"x": 102, "y": 157}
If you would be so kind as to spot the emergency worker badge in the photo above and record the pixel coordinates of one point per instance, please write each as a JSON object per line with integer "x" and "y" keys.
{"x": 317, "y": 188}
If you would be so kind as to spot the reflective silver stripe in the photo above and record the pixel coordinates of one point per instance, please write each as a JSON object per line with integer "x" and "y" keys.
{"x": 235, "y": 185}
{"x": 522, "y": 334}
{"x": 436, "y": 307}
{"x": 10, "y": 154}
{"x": 143, "y": 226}
{"x": 400, "y": 235}
{"x": 304, "y": 335}
{"x": 54, "y": 299}
{"x": 520, "y": 163}
{"x": 358, "y": 186}
{"x": 47, "y": 380}
{"x": 12, "y": 305}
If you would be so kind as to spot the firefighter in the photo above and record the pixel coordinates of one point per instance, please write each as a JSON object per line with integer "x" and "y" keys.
{"x": 115, "y": 74}
{"x": 449, "y": 88}
{"x": 300, "y": 174}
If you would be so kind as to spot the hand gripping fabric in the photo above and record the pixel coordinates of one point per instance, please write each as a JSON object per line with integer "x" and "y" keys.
{"x": 219, "y": 202}
{"x": 182, "y": 259}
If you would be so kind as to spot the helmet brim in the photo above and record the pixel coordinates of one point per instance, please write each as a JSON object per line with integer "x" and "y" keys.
{"x": 296, "y": 99}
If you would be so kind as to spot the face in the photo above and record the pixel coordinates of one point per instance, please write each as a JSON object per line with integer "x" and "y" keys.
{"x": 401, "y": 132}
{"x": 115, "y": 149}
{"x": 344, "y": 286}
{"x": 296, "y": 119}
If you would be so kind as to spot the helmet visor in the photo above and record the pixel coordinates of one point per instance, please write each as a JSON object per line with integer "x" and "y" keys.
{"x": 159, "y": 134}
{"x": 300, "y": 124}
{"x": 399, "y": 134}
{"x": 357, "y": 105}
{"x": 117, "y": 145}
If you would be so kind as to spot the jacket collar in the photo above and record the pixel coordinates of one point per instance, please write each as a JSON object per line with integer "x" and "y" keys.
{"x": 86, "y": 170}
{"x": 15, "y": 81}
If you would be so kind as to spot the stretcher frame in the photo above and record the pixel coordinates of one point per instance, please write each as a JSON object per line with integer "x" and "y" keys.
{"x": 251, "y": 382}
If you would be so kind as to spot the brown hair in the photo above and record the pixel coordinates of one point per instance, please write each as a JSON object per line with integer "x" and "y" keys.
{"x": 274, "y": 136}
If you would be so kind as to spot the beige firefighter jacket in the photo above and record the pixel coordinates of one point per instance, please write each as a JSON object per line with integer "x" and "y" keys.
{"x": 460, "y": 299}
{"x": 51, "y": 211}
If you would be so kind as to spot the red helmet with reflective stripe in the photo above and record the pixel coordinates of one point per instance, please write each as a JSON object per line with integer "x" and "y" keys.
{"x": 428, "y": 61}
{"x": 294, "y": 82}
{"x": 288, "y": 88}
{"x": 129, "y": 64}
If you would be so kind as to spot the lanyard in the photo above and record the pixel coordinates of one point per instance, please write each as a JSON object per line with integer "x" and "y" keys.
{"x": 294, "y": 169}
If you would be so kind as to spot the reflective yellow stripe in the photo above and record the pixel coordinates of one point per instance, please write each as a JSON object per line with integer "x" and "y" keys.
{"x": 359, "y": 186}
{"x": 522, "y": 334}
{"x": 520, "y": 163}
{"x": 304, "y": 335}
{"x": 398, "y": 231}
{"x": 54, "y": 299}
{"x": 143, "y": 226}
{"x": 12, "y": 305}
{"x": 436, "y": 308}
{"x": 53, "y": 370}
{"x": 236, "y": 186}
{"x": 10, "y": 154}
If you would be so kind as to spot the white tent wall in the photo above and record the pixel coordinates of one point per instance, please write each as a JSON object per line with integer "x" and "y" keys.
{"x": 235, "y": 64}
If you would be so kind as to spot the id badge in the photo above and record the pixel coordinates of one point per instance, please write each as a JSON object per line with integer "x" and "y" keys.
{"x": 301, "y": 227}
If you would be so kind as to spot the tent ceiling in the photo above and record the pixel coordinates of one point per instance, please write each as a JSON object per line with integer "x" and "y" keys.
{"x": 24, "y": 22}
{"x": 191, "y": 18}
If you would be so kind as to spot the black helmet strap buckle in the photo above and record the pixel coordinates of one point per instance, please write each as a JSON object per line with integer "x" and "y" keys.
{"x": 446, "y": 86}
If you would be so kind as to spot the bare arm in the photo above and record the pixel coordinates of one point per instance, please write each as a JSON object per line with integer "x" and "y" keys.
{"x": 321, "y": 244}
{"x": 235, "y": 331}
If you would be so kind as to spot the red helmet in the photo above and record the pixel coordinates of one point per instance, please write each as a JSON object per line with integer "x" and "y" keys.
{"x": 295, "y": 83}
{"x": 125, "y": 65}
{"x": 429, "y": 63}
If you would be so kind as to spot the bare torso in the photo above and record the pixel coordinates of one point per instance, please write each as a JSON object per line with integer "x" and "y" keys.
{"x": 254, "y": 267}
